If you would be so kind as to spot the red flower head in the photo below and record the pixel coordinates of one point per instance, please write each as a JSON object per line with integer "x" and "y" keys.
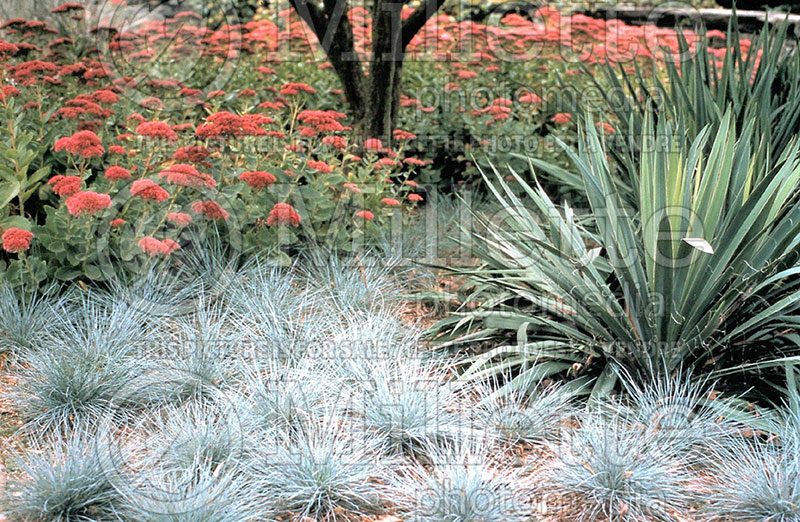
{"x": 117, "y": 222}
{"x": 105, "y": 96}
{"x": 8, "y": 91}
{"x": 226, "y": 123}
{"x": 116, "y": 173}
{"x": 16, "y": 240}
{"x": 335, "y": 141}
{"x": 65, "y": 185}
{"x": 289, "y": 89}
{"x": 390, "y": 202}
{"x": 352, "y": 187}
{"x": 402, "y": 135}
{"x": 320, "y": 166}
{"x": 185, "y": 175}
{"x": 562, "y": 118}
{"x": 192, "y": 154}
{"x": 607, "y": 127}
{"x": 210, "y": 209}
{"x": 87, "y": 202}
{"x": 170, "y": 245}
{"x": 365, "y": 214}
{"x": 414, "y": 197}
{"x": 69, "y": 6}
{"x": 117, "y": 149}
{"x": 283, "y": 213}
{"x": 148, "y": 189}
{"x": 179, "y": 218}
{"x": 152, "y": 246}
{"x": 83, "y": 143}
{"x": 530, "y": 98}
{"x": 257, "y": 179}
{"x": 373, "y": 144}
{"x": 152, "y": 103}
{"x": 308, "y": 132}
{"x": 385, "y": 162}
{"x": 156, "y": 130}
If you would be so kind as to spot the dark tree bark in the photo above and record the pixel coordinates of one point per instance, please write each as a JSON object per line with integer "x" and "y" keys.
{"x": 373, "y": 99}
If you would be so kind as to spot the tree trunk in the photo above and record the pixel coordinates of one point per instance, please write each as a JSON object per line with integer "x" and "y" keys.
{"x": 383, "y": 80}
{"x": 373, "y": 99}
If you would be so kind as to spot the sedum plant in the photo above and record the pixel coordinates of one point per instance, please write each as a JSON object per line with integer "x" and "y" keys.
{"x": 701, "y": 274}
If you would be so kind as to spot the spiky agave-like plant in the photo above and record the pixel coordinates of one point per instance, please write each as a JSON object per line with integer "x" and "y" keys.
{"x": 618, "y": 470}
{"x": 700, "y": 274}
{"x": 73, "y": 479}
{"x": 460, "y": 484}
{"x": 322, "y": 471}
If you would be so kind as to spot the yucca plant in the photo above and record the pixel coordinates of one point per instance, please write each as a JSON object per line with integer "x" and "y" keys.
{"x": 703, "y": 274}
{"x": 761, "y": 87}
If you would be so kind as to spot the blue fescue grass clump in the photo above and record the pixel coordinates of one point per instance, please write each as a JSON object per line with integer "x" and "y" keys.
{"x": 203, "y": 355}
{"x": 26, "y": 317}
{"x": 530, "y": 411}
{"x": 196, "y": 436}
{"x": 352, "y": 283}
{"x": 618, "y": 470}
{"x": 408, "y": 407}
{"x": 321, "y": 472}
{"x": 64, "y": 384}
{"x": 204, "y": 496}
{"x": 460, "y": 483}
{"x": 288, "y": 399}
{"x": 273, "y": 308}
{"x": 364, "y": 342}
{"x": 683, "y": 414}
{"x": 73, "y": 479}
{"x": 756, "y": 480}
